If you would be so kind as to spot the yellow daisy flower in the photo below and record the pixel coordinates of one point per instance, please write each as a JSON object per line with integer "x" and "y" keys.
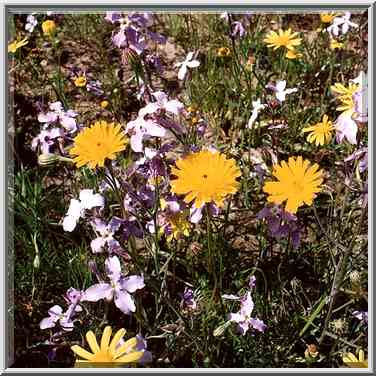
{"x": 107, "y": 354}
{"x": 321, "y": 133}
{"x": 95, "y": 144}
{"x": 48, "y": 27}
{"x": 205, "y": 177}
{"x": 104, "y": 104}
{"x": 223, "y": 52}
{"x": 334, "y": 44}
{"x": 285, "y": 39}
{"x": 15, "y": 45}
{"x": 345, "y": 95}
{"x": 180, "y": 226}
{"x": 80, "y": 81}
{"x": 292, "y": 54}
{"x": 327, "y": 17}
{"x": 298, "y": 182}
{"x": 352, "y": 361}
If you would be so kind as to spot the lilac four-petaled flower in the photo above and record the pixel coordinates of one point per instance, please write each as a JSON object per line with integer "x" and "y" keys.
{"x": 243, "y": 317}
{"x": 119, "y": 289}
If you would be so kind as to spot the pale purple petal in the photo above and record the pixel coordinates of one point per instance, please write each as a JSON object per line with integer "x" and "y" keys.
{"x": 75, "y": 209}
{"x": 247, "y": 305}
{"x": 182, "y": 72}
{"x": 243, "y": 327}
{"x": 257, "y": 324}
{"x": 48, "y": 322}
{"x": 68, "y": 123}
{"x": 196, "y": 214}
{"x": 97, "y": 245}
{"x": 97, "y": 292}
{"x": 56, "y": 311}
{"x": 90, "y": 200}
{"x": 113, "y": 267}
{"x": 124, "y": 302}
{"x": 153, "y": 129}
{"x": 150, "y": 108}
{"x": 69, "y": 223}
{"x": 133, "y": 283}
{"x": 174, "y": 106}
{"x": 236, "y": 317}
{"x": 347, "y": 128}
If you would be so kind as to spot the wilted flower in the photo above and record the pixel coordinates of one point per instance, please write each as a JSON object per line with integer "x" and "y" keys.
{"x": 311, "y": 352}
{"x": 339, "y": 326}
{"x": 187, "y": 63}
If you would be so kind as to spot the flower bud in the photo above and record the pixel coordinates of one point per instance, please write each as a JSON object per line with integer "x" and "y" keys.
{"x": 48, "y": 27}
{"x": 36, "y": 262}
{"x": 49, "y": 159}
{"x": 221, "y": 329}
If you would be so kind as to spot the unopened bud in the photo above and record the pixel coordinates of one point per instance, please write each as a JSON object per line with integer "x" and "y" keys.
{"x": 36, "y": 262}
{"x": 49, "y": 159}
{"x": 221, "y": 329}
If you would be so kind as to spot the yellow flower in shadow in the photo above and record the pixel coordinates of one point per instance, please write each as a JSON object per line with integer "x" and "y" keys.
{"x": 108, "y": 354}
{"x": 352, "y": 361}
{"x": 14, "y": 46}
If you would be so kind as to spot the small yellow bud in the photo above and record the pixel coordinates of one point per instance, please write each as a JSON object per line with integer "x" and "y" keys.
{"x": 104, "y": 104}
{"x": 48, "y": 27}
{"x": 80, "y": 81}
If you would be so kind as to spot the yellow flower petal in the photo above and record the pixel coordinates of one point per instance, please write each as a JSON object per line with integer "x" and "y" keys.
{"x": 120, "y": 333}
{"x": 106, "y": 338}
{"x": 92, "y": 341}
{"x": 82, "y": 352}
{"x": 126, "y": 347}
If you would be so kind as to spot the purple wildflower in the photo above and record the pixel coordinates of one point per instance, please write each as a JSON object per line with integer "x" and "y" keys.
{"x": 119, "y": 289}
{"x": 281, "y": 224}
{"x": 188, "y": 300}
{"x": 243, "y": 317}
